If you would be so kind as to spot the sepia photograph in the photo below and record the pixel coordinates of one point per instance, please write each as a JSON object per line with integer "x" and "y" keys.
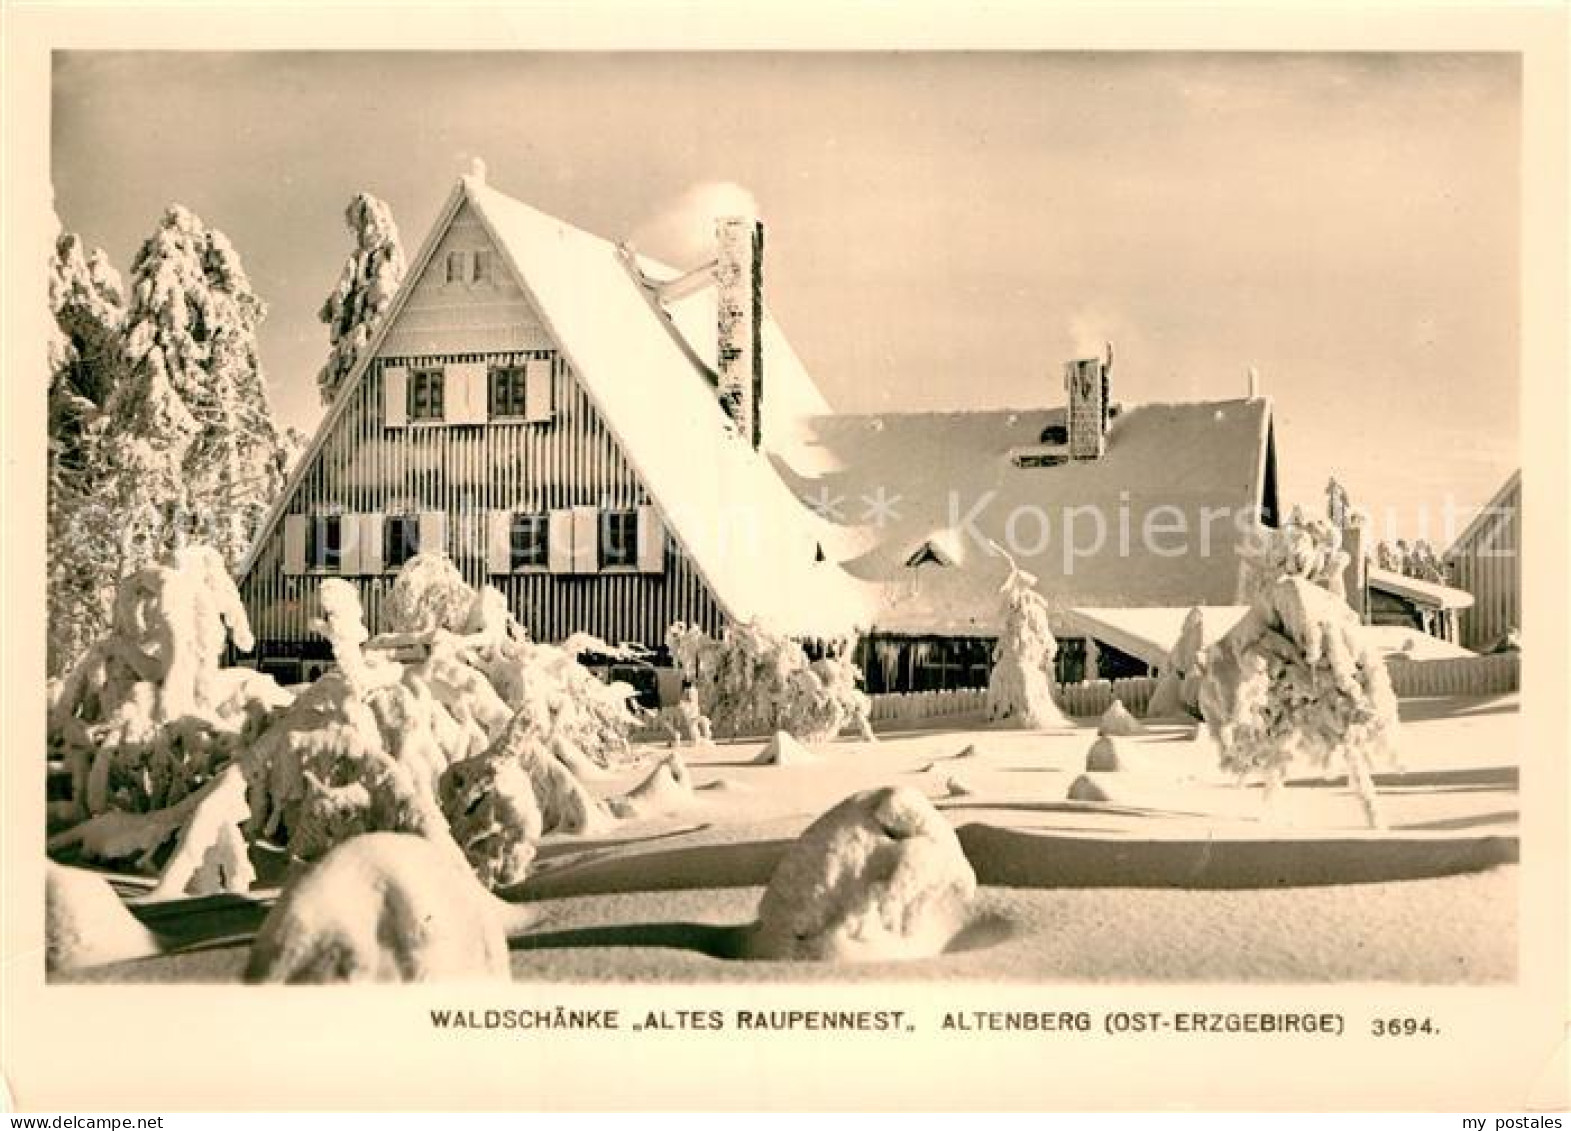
{"x": 788, "y": 522}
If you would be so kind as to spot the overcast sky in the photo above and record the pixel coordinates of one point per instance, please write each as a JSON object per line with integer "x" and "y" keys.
{"x": 943, "y": 230}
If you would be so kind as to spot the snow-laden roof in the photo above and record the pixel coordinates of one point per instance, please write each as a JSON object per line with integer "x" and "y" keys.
{"x": 753, "y": 542}
{"x": 1396, "y": 640}
{"x": 889, "y": 481}
{"x": 1149, "y": 634}
{"x": 865, "y": 493}
{"x": 1429, "y": 593}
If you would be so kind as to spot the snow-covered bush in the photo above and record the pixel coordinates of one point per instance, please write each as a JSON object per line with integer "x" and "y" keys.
{"x": 148, "y": 715}
{"x": 1295, "y": 679}
{"x": 1178, "y": 686}
{"x": 1020, "y": 688}
{"x": 752, "y": 681}
{"x": 429, "y": 593}
{"x": 1307, "y": 548}
{"x": 455, "y": 725}
{"x": 492, "y": 812}
{"x": 366, "y": 285}
{"x": 362, "y": 750}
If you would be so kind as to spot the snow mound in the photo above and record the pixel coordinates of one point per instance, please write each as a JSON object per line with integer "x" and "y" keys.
{"x": 1087, "y": 788}
{"x": 725, "y": 785}
{"x": 958, "y": 787}
{"x": 383, "y": 907}
{"x": 1117, "y": 720}
{"x": 1105, "y": 756}
{"x": 784, "y": 750}
{"x": 969, "y": 752}
{"x": 85, "y": 924}
{"x": 879, "y": 876}
{"x": 668, "y": 788}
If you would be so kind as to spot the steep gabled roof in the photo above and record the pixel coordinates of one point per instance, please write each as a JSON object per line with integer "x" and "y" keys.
{"x": 755, "y": 546}
{"x": 1487, "y": 516}
{"x": 751, "y": 540}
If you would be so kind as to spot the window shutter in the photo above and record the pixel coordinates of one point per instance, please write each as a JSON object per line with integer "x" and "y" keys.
{"x": 294, "y": 543}
{"x": 559, "y": 542}
{"x": 586, "y": 540}
{"x": 433, "y": 532}
{"x": 371, "y": 543}
{"x": 651, "y": 541}
{"x": 539, "y": 400}
{"x": 499, "y": 542}
{"x": 349, "y": 544}
{"x": 466, "y": 393}
{"x": 395, "y": 396}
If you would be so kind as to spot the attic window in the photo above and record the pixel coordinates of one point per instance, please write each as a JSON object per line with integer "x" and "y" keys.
{"x": 481, "y": 272}
{"x": 928, "y": 552}
{"x": 457, "y": 267}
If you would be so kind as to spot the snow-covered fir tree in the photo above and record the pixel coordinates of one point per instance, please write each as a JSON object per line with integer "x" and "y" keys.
{"x": 88, "y": 308}
{"x": 365, "y": 289}
{"x": 192, "y": 442}
{"x": 1020, "y": 689}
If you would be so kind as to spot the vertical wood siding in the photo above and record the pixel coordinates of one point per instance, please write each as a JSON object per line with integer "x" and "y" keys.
{"x": 1488, "y": 564}
{"x": 467, "y": 471}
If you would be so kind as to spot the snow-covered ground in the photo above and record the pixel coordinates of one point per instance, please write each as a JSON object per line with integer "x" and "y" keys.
{"x": 1166, "y": 878}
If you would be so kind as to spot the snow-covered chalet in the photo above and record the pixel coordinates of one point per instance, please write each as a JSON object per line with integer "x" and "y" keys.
{"x": 618, "y": 445}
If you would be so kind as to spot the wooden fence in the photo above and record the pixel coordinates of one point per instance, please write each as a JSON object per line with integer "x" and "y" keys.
{"x": 1464, "y": 675}
{"x": 1410, "y": 679}
{"x": 1083, "y": 700}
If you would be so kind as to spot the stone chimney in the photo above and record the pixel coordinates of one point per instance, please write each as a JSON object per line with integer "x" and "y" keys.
{"x": 1088, "y": 393}
{"x": 739, "y": 307}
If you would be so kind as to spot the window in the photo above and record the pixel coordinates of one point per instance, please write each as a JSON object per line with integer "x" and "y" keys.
{"x": 481, "y": 264}
{"x": 507, "y": 391}
{"x": 618, "y": 539}
{"x": 425, "y": 394}
{"x": 324, "y": 547}
{"x": 522, "y": 391}
{"x": 400, "y": 539}
{"x": 530, "y": 541}
{"x": 457, "y": 266}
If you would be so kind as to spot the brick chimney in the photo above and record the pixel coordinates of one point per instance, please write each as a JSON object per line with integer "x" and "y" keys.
{"x": 739, "y": 306}
{"x": 1088, "y": 393}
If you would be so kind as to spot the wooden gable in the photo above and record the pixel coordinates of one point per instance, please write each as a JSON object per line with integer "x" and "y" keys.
{"x": 456, "y": 475}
